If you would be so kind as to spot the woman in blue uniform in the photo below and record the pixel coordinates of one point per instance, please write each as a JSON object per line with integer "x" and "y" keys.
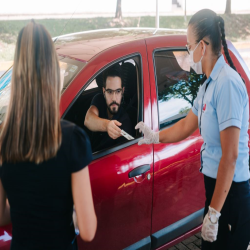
{"x": 221, "y": 112}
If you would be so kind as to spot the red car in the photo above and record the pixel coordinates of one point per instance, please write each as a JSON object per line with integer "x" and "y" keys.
{"x": 149, "y": 196}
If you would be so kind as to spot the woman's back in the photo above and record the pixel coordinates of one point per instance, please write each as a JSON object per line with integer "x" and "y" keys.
{"x": 44, "y": 160}
{"x": 40, "y": 196}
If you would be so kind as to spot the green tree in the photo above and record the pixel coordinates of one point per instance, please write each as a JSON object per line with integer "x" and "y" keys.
{"x": 186, "y": 89}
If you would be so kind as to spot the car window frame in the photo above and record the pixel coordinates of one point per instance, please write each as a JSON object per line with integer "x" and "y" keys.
{"x": 156, "y": 85}
{"x": 104, "y": 152}
{"x": 73, "y": 59}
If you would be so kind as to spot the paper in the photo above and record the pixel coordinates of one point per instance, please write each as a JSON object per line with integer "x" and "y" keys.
{"x": 126, "y": 135}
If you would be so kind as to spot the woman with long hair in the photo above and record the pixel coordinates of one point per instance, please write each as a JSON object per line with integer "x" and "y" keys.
{"x": 221, "y": 112}
{"x": 44, "y": 160}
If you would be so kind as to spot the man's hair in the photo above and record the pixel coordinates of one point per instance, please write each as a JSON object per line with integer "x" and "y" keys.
{"x": 115, "y": 70}
{"x": 31, "y": 130}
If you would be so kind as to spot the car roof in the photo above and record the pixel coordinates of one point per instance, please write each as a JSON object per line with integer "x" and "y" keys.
{"x": 85, "y": 45}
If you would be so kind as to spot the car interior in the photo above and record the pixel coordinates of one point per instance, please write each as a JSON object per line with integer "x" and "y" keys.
{"x": 131, "y": 78}
{"x": 175, "y": 80}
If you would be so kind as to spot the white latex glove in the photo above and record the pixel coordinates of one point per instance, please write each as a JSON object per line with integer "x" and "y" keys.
{"x": 75, "y": 219}
{"x": 149, "y": 135}
{"x": 209, "y": 230}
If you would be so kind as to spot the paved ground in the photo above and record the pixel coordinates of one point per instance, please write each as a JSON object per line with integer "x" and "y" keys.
{"x": 192, "y": 243}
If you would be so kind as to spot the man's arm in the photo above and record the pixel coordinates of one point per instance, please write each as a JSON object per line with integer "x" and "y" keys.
{"x": 96, "y": 124}
{"x": 93, "y": 122}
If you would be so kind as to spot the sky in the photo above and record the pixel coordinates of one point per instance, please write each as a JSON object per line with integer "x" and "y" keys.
{"x": 102, "y": 6}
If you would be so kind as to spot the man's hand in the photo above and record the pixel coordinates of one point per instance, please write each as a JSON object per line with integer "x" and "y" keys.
{"x": 113, "y": 130}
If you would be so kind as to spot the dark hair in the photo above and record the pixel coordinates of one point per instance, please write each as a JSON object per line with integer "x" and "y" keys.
{"x": 113, "y": 71}
{"x": 206, "y": 23}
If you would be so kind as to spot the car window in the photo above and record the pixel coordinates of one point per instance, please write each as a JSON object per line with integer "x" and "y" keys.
{"x": 131, "y": 102}
{"x": 69, "y": 69}
{"x": 92, "y": 85}
{"x": 177, "y": 86}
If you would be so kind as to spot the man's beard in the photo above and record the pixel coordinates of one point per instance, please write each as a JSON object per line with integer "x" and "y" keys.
{"x": 113, "y": 111}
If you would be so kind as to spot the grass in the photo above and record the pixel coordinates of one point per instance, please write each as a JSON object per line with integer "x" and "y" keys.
{"x": 237, "y": 27}
{"x": 6, "y": 51}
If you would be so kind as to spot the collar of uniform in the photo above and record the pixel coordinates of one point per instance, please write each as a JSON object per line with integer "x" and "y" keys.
{"x": 217, "y": 67}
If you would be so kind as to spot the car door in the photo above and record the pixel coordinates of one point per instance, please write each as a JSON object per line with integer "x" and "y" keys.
{"x": 178, "y": 197}
{"x": 121, "y": 177}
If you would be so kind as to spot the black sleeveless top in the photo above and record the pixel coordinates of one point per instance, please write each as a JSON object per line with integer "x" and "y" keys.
{"x": 40, "y": 195}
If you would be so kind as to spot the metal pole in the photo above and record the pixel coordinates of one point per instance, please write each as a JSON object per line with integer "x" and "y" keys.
{"x": 157, "y": 15}
{"x": 185, "y": 11}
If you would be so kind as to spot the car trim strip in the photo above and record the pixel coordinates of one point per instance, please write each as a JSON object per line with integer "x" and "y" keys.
{"x": 177, "y": 229}
{"x": 144, "y": 244}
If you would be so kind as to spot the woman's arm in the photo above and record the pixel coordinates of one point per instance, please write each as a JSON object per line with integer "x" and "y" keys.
{"x": 4, "y": 207}
{"x": 181, "y": 130}
{"x": 82, "y": 196}
{"x": 229, "y": 144}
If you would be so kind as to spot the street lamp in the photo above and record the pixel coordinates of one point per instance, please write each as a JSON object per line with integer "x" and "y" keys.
{"x": 157, "y": 16}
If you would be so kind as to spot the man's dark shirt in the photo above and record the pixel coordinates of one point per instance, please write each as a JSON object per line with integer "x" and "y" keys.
{"x": 101, "y": 140}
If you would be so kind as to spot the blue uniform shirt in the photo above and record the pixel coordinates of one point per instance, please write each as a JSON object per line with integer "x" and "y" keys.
{"x": 222, "y": 102}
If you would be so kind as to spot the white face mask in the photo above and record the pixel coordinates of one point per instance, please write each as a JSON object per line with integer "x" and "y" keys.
{"x": 197, "y": 67}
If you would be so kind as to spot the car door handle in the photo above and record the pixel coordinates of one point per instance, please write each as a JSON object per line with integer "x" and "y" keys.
{"x": 139, "y": 170}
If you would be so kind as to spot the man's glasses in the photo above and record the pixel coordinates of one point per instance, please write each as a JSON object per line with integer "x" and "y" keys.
{"x": 110, "y": 92}
{"x": 188, "y": 46}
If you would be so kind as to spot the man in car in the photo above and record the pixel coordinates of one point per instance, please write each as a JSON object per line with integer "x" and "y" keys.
{"x": 105, "y": 117}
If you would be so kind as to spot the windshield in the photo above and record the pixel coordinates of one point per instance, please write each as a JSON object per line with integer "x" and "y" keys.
{"x": 69, "y": 69}
{"x": 4, "y": 93}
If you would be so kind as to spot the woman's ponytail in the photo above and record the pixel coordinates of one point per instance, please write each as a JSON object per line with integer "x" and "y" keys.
{"x": 224, "y": 43}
